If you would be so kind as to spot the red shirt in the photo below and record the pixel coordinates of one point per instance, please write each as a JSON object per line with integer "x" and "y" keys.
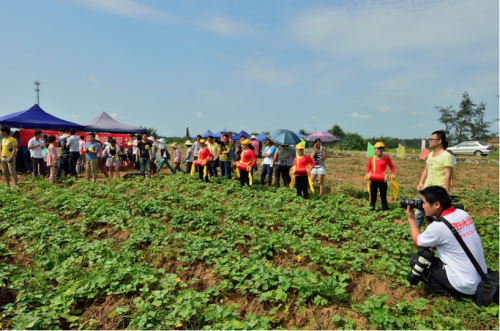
{"x": 380, "y": 165}
{"x": 303, "y": 162}
{"x": 246, "y": 156}
{"x": 205, "y": 155}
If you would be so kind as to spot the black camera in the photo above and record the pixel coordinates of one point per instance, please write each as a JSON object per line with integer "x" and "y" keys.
{"x": 454, "y": 200}
{"x": 424, "y": 261}
{"x": 413, "y": 203}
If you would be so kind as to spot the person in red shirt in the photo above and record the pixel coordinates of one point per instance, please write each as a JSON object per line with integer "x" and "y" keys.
{"x": 247, "y": 158}
{"x": 205, "y": 156}
{"x": 378, "y": 165}
{"x": 300, "y": 163}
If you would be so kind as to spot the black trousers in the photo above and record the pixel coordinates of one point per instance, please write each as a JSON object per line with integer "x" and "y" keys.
{"x": 302, "y": 184}
{"x": 282, "y": 171}
{"x": 63, "y": 165}
{"x": 435, "y": 277}
{"x": 73, "y": 159}
{"x": 244, "y": 179}
{"x": 200, "y": 171}
{"x": 36, "y": 163}
{"x": 383, "y": 194}
{"x": 212, "y": 168}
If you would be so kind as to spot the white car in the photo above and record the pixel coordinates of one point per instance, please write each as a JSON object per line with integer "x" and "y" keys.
{"x": 477, "y": 148}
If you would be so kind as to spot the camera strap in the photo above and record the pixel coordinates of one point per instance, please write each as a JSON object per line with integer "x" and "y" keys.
{"x": 465, "y": 248}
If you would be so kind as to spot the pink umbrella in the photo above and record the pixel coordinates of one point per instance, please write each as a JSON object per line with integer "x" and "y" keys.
{"x": 324, "y": 136}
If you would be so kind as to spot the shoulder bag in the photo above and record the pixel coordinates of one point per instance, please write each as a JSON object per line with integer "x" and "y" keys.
{"x": 487, "y": 290}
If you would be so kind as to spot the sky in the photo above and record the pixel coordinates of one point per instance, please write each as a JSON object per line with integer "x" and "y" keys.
{"x": 373, "y": 67}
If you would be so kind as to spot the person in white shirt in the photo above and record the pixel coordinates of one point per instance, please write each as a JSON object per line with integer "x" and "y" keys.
{"x": 453, "y": 162}
{"x": 452, "y": 274}
{"x": 74, "y": 151}
{"x": 35, "y": 147}
{"x": 267, "y": 166}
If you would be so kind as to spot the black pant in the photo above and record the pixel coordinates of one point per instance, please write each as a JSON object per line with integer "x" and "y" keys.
{"x": 38, "y": 162}
{"x": 283, "y": 171}
{"x": 63, "y": 165}
{"x": 200, "y": 171}
{"x": 435, "y": 277}
{"x": 212, "y": 168}
{"x": 302, "y": 184}
{"x": 73, "y": 159}
{"x": 383, "y": 194}
{"x": 244, "y": 179}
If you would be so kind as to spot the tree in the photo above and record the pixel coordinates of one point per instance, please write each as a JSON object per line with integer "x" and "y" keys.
{"x": 187, "y": 134}
{"x": 354, "y": 142}
{"x": 304, "y": 132}
{"x": 466, "y": 123}
{"x": 151, "y": 132}
{"x": 337, "y": 131}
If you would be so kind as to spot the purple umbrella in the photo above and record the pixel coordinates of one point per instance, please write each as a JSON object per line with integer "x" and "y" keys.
{"x": 324, "y": 136}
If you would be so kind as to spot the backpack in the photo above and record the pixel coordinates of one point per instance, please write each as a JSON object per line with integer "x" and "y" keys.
{"x": 487, "y": 290}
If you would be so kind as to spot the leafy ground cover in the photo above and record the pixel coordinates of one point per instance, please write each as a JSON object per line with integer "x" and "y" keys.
{"x": 176, "y": 253}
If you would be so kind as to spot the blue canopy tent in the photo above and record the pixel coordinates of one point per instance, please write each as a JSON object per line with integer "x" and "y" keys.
{"x": 37, "y": 118}
{"x": 261, "y": 137}
{"x": 300, "y": 135}
{"x": 242, "y": 133}
{"x": 219, "y": 134}
{"x": 104, "y": 123}
{"x": 206, "y": 134}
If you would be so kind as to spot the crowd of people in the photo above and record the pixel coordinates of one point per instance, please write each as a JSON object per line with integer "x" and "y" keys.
{"x": 451, "y": 274}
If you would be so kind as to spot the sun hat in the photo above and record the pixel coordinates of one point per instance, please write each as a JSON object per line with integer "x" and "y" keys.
{"x": 174, "y": 145}
{"x": 246, "y": 142}
{"x": 253, "y": 137}
{"x": 161, "y": 141}
{"x": 300, "y": 146}
{"x": 189, "y": 143}
{"x": 151, "y": 138}
{"x": 379, "y": 144}
{"x": 202, "y": 141}
{"x": 97, "y": 138}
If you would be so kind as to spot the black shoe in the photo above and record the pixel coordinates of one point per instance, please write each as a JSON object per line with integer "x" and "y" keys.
{"x": 385, "y": 208}
{"x": 372, "y": 208}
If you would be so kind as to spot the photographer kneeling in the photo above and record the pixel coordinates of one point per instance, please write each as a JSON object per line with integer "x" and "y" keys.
{"x": 452, "y": 274}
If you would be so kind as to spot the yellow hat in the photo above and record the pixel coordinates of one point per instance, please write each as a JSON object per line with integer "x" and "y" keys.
{"x": 379, "y": 144}
{"x": 202, "y": 141}
{"x": 246, "y": 142}
{"x": 299, "y": 146}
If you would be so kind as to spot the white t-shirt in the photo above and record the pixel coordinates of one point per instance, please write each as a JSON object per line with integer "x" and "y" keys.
{"x": 134, "y": 148}
{"x": 36, "y": 152}
{"x": 74, "y": 143}
{"x": 270, "y": 150}
{"x": 453, "y": 159}
{"x": 459, "y": 269}
{"x": 196, "y": 147}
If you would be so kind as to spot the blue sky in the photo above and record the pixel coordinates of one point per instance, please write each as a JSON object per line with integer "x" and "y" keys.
{"x": 374, "y": 67}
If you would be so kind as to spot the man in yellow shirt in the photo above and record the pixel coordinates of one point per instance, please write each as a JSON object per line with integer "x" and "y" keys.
{"x": 9, "y": 149}
{"x": 214, "y": 148}
{"x": 439, "y": 168}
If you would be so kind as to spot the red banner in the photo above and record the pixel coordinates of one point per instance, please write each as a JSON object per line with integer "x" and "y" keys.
{"x": 121, "y": 139}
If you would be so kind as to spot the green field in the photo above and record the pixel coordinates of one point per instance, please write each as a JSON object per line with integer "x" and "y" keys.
{"x": 176, "y": 253}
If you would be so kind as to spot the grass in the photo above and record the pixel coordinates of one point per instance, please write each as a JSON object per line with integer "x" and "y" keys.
{"x": 175, "y": 253}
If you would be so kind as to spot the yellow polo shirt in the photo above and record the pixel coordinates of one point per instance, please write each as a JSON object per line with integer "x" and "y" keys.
{"x": 8, "y": 145}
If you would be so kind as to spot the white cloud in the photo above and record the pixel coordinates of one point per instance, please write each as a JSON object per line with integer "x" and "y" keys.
{"x": 199, "y": 115}
{"x": 226, "y": 26}
{"x": 314, "y": 118}
{"x": 267, "y": 74}
{"x": 94, "y": 80}
{"x": 420, "y": 125}
{"x": 114, "y": 115}
{"x": 357, "y": 115}
{"x": 74, "y": 116}
{"x": 128, "y": 8}
{"x": 418, "y": 113}
{"x": 384, "y": 109}
{"x": 391, "y": 34}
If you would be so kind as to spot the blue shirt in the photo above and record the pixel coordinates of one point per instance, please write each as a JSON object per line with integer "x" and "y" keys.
{"x": 95, "y": 146}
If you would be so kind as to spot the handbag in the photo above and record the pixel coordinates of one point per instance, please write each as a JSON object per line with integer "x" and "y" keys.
{"x": 487, "y": 290}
